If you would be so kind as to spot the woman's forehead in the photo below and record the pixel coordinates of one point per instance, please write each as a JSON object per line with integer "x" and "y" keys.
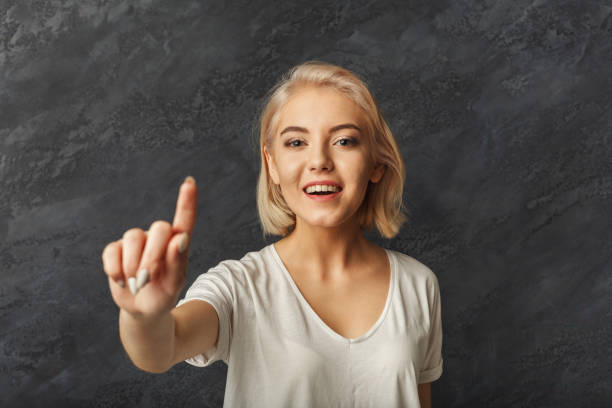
{"x": 320, "y": 106}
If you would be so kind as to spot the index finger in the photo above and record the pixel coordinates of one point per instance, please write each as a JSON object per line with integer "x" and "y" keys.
{"x": 186, "y": 207}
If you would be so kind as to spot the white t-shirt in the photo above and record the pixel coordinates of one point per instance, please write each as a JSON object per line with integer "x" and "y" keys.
{"x": 280, "y": 353}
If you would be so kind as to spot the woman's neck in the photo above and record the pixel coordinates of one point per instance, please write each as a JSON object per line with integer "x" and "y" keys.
{"x": 327, "y": 253}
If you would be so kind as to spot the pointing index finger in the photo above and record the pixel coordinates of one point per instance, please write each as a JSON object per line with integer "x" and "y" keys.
{"x": 186, "y": 207}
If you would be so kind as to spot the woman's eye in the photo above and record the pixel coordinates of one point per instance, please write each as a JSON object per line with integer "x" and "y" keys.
{"x": 347, "y": 141}
{"x": 293, "y": 143}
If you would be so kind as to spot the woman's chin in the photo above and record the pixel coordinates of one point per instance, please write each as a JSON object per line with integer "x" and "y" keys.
{"x": 325, "y": 222}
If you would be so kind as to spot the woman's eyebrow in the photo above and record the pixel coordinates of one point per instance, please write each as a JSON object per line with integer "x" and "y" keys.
{"x": 332, "y": 130}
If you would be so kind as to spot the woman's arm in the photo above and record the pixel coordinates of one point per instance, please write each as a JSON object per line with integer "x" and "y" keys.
{"x": 155, "y": 345}
{"x": 425, "y": 395}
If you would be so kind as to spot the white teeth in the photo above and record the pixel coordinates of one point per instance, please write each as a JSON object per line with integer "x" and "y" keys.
{"x": 322, "y": 188}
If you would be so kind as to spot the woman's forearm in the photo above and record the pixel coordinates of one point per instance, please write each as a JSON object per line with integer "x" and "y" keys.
{"x": 148, "y": 342}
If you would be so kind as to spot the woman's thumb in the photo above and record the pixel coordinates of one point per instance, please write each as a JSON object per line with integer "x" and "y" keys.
{"x": 178, "y": 254}
{"x": 183, "y": 243}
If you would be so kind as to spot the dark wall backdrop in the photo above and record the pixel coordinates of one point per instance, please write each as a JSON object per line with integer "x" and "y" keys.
{"x": 502, "y": 112}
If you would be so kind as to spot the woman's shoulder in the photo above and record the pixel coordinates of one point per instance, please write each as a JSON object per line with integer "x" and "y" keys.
{"x": 252, "y": 262}
{"x": 233, "y": 278}
{"x": 410, "y": 266}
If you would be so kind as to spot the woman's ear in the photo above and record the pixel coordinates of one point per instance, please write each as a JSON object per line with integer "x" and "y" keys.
{"x": 377, "y": 173}
{"x": 271, "y": 166}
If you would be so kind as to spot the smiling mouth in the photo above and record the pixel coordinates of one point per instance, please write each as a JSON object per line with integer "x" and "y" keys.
{"x": 323, "y": 192}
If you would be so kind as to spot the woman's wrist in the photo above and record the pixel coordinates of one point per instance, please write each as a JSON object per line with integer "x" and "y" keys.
{"x": 143, "y": 319}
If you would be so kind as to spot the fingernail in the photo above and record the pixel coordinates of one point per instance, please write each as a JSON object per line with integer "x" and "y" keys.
{"x": 121, "y": 283}
{"x": 141, "y": 278}
{"x": 132, "y": 284}
{"x": 184, "y": 242}
{"x": 190, "y": 179}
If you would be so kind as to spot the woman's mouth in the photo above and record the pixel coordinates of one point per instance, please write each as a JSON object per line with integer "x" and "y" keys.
{"x": 323, "y": 194}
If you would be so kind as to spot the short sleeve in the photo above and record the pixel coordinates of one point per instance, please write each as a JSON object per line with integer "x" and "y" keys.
{"x": 214, "y": 287}
{"x": 432, "y": 363}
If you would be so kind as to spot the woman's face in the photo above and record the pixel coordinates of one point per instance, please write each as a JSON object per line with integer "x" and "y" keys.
{"x": 320, "y": 138}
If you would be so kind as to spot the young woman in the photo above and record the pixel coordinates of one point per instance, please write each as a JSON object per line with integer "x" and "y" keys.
{"x": 321, "y": 318}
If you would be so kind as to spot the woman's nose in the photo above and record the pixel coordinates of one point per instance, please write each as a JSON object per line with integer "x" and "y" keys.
{"x": 320, "y": 159}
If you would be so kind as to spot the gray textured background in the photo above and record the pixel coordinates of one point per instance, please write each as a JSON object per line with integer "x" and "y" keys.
{"x": 502, "y": 112}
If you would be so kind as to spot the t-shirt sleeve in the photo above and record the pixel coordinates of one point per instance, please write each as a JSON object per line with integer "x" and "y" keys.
{"x": 214, "y": 287}
{"x": 432, "y": 363}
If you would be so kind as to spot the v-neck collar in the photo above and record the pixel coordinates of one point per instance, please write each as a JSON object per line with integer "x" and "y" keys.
{"x": 329, "y": 330}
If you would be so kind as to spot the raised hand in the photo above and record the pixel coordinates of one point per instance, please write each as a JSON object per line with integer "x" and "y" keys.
{"x": 153, "y": 262}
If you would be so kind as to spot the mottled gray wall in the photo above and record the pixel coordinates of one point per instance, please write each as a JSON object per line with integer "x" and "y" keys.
{"x": 502, "y": 112}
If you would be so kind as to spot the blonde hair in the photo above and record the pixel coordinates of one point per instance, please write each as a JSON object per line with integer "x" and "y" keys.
{"x": 382, "y": 206}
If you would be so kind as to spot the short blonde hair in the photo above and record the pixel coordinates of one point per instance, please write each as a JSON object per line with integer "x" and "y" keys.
{"x": 382, "y": 205}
